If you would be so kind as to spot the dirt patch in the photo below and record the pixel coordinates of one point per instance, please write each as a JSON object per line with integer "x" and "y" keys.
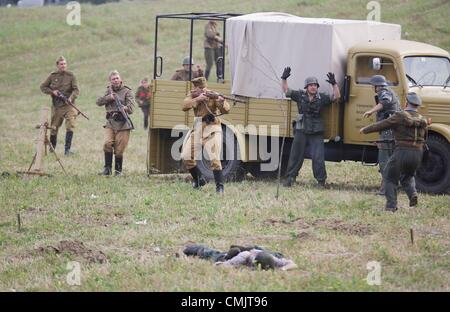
{"x": 355, "y": 228}
{"x": 76, "y": 248}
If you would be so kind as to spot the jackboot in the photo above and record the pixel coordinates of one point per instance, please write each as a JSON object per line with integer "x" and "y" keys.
{"x": 53, "y": 140}
{"x": 197, "y": 179}
{"x": 108, "y": 164}
{"x": 69, "y": 136}
{"x": 118, "y": 166}
{"x": 218, "y": 177}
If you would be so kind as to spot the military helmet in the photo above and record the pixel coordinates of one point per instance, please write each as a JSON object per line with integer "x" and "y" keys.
{"x": 311, "y": 80}
{"x": 199, "y": 82}
{"x": 186, "y": 61}
{"x": 413, "y": 98}
{"x": 378, "y": 80}
{"x": 265, "y": 260}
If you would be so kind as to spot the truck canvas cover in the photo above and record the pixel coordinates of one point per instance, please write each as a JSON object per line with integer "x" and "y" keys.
{"x": 260, "y": 45}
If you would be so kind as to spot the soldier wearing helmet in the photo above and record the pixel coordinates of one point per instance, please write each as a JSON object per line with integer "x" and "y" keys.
{"x": 386, "y": 104}
{"x": 409, "y": 131}
{"x": 308, "y": 126}
{"x": 182, "y": 74}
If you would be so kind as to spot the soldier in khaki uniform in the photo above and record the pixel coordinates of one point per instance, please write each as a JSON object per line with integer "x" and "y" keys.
{"x": 409, "y": 129}
{"x": 182, "y": 74}
{"x": 117, "y": 130}
{"x": 65, "y": 82}
{"x": 213, "y": 46}
{"x": 143, "y": 96}
{"x": 207, "y": 133}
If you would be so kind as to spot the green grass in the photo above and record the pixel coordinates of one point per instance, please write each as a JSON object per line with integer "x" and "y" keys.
{"x": 330, "y": 234}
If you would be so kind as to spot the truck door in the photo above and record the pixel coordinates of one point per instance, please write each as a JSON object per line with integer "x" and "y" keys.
{"x": 362, "y": 93}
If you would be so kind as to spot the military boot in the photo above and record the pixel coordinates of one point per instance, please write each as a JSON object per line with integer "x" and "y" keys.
{"x": 53, "y": 140}
{"x": 69, "y": 136}
{"x": 413, "y": 200}
{"x": 108, "y": 164}
{"x": 218, "y": 177}
{"x": 197, "y": 179}
{"x": 118, "y": 166}
{"x": 206, "y": 74}
{"x": 289, "y": 182}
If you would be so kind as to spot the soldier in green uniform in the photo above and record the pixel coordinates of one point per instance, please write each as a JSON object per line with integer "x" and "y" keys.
{"x": 117, "y": 130}
{"x": 213, "y": 46}
{"x": 143, "y": 96}
{"x": 386, "y": 104}
{"x": 409, "y": 130}
{"x": 63, "y": 81}
{"x": 182, "y": 74}
{"x": 309, "y": 126}
{"x": 207, "y": 133}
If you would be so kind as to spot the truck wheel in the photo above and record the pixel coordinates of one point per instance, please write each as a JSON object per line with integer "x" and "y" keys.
{"x": 232, "y": 167}
{"x": 255, "y": 169}
{"x": 433, "y": 175}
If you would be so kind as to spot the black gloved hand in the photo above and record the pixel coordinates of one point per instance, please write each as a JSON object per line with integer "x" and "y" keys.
{"x": 331, "y": 80}
{"x": 286, "y": 73}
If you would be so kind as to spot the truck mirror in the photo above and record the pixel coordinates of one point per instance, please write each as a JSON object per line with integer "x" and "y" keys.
{"x": 376, "y": 63}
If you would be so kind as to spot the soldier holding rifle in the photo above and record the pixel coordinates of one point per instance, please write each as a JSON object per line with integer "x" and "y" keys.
{"x": 119, "y": 102}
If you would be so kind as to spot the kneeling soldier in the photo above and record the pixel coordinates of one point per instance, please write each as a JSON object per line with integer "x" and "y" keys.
{"x": 409, "y": 129}
{"x": 118, "y": 102}
{"x": 207, "y": 132}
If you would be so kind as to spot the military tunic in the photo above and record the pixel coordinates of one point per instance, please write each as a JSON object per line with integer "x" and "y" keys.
{"x": 117, "y": 131}
{"x": 390, "y": 103}
{"x": 409, "y": 131}
{"x": 309, "y": 130}
{"x": 208, "y": 135}
{"x": 66, "y": 83}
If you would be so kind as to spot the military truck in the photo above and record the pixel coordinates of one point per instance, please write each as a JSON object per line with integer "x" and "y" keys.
{"x": 265, "y": 119}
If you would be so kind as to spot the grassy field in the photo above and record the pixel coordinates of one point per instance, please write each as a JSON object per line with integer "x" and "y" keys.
{"x": 330, "y": 234}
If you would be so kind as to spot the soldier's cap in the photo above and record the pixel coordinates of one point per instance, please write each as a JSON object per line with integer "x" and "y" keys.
{"x": 59, "y": 59}
{"x": 413, "y": 98}
{"x": 378, "y": 80}
{"x": 113, "y": 73}
{"x": 199, "y": 82}
{"x": 311, "y": 80}
{"x": 186, "y": 61}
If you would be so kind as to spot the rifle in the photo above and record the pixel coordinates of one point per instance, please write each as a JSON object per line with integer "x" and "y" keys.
{"x": 69, "y": 102}
{"x": 214, "y": 95}
{"x": 121, "y": 108}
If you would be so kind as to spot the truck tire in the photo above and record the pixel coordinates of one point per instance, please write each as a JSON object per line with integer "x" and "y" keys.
{"x": 232, "y": 168}
{"x": 255, "y": 169}
{"x": 433, "y": 175}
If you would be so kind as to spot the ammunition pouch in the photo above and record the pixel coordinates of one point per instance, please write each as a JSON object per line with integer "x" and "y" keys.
{"x": 209, "y": 118}
{"x": 116, "y": 116}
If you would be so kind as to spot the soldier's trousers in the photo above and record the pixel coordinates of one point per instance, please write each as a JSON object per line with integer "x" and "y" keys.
{"x": 192, "y": 149}
{"x": 211, "y": 57}
{"x": 297, "y": 155}
{"x": 385, "y": 151}
{"x": 401, "y": 167}
{"x": 116, "y": 141}
{"x": 59, "y": 114}
{"x": 145, "y": 109}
